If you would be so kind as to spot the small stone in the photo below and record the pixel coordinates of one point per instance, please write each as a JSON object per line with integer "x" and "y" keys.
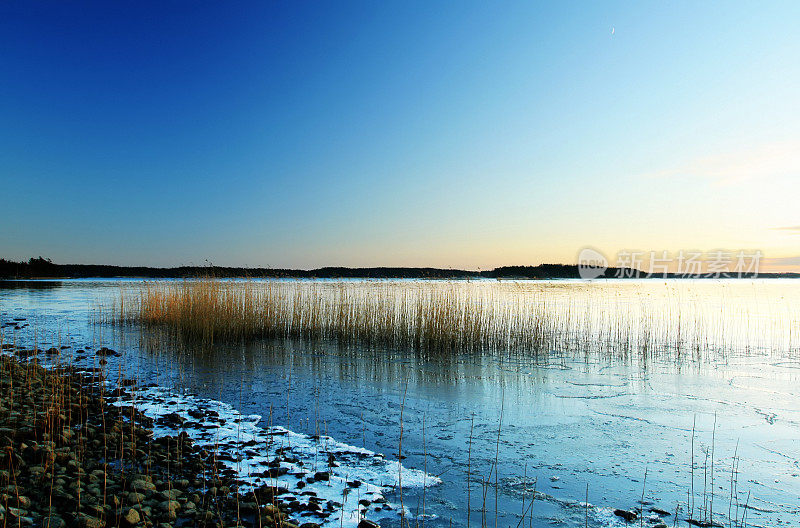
{"x": 142, "y": 484}
{"x": 171, "y": 494}
{"x": 171, "y": 508}
{"x": 135, "y": 498}
{"x": 87, "y": 521}
{"x": 132, "y": 518}
{"x": 54, "y": 521}
{"x": 625, "y": 514}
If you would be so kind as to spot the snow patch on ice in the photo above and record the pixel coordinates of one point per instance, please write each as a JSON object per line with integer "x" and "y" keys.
{"x": 345, "y": 482}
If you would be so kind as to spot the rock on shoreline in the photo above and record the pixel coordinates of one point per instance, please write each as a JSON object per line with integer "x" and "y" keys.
{"x": 69, "y": 458}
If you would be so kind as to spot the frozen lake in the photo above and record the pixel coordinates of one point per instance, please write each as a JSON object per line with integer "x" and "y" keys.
{"x": 718, "y": 385}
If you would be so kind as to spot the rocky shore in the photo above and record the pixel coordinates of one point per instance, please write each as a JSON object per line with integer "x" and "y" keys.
{"x": 70, "y": 458}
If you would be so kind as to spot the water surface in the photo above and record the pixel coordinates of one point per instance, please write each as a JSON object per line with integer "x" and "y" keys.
{"x": 621, "y": 424}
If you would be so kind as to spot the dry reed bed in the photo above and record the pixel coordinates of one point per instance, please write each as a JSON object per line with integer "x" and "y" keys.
{"x": 468, "y": 316}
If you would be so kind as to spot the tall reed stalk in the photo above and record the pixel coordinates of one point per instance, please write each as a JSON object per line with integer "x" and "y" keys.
{"x": 464, "y": 316}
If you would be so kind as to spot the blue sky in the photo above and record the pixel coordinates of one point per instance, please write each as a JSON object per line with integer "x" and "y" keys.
{"x": 445, "y": 134}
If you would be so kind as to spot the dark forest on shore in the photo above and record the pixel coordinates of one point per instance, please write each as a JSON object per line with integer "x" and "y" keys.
{"x": 42, "y": 268}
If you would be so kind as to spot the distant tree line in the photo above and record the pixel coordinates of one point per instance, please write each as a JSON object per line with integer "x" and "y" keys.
{"x": 44, "y": 268}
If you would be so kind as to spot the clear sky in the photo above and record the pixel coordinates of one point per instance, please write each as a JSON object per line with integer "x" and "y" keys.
{"x": 449, "y": 134}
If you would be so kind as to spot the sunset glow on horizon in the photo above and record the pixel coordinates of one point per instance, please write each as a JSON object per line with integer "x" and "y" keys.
{"x": 461, "y": 135}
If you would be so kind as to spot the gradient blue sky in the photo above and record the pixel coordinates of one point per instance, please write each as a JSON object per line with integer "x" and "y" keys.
{"x": 463, "y": 134}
